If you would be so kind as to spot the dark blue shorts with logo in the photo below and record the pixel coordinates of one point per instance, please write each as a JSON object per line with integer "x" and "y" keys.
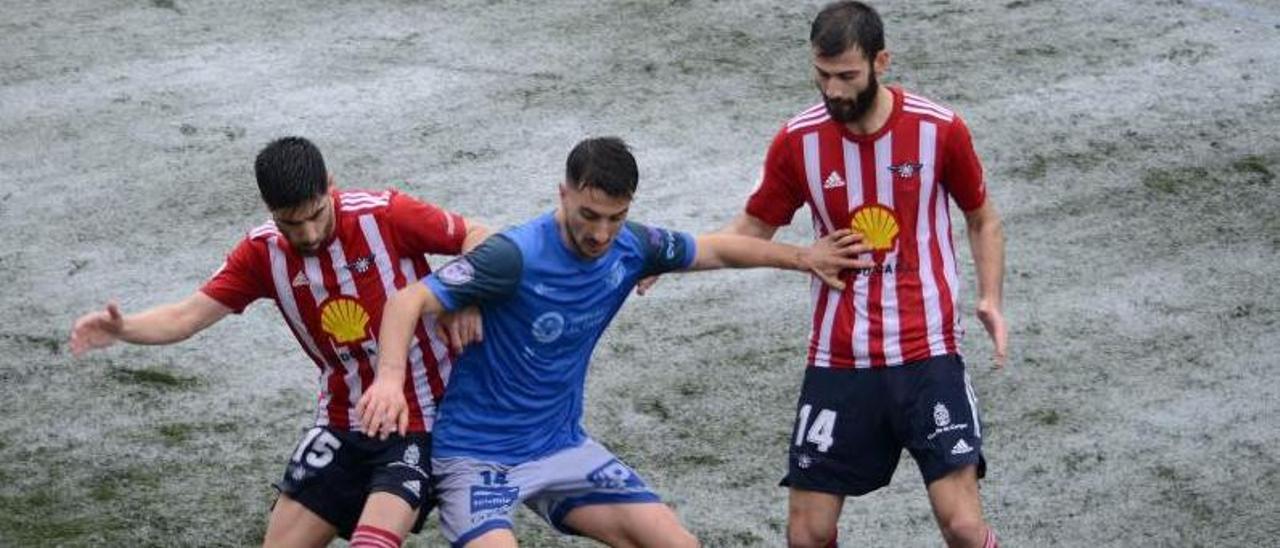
{"x": 852, "y": 425}
{"x": 333, "y": 472}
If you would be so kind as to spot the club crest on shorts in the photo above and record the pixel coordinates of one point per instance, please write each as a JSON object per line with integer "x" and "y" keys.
{"x": 615, "y": 475}
{"x": 804, "y": 461}
{"x": 940, "y": 415}
{"x": 412, "y": 455}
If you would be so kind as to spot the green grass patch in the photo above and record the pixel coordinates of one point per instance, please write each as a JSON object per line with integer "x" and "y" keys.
{"x": 1045, "y": 417}
{"x": 654, "y": 408}
{"x": 115, "y": 485}
{"x": 52, "y": 345}
{"x": 151, "y": 377}
{"x": 1176, "y": 180}
{"x": 178, "y": 433}
{"x": 46, "y": 516}
{"x": 1254, "y": 169}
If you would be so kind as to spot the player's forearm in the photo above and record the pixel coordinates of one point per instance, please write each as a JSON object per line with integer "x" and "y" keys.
{"x": 164, "y": 324}
{"x": 986, "y": 241}
{"x": 399, "y": 318}
{"x": 734, "y": 251}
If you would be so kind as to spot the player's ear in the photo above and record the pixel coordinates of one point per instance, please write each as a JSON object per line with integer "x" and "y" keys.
{"x": 881, "y": 63}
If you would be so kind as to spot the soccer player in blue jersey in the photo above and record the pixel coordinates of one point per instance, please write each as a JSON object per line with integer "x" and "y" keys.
{"x": 509, "y": 429}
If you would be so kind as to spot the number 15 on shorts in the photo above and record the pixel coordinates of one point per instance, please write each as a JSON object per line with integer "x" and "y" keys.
{"x": 820, "y": 431}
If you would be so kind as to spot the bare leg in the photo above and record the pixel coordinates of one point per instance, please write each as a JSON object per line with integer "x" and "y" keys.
{"x": 293, "y": 525}
{"x": 958, "y": 508}
{"x": 812, "y": 518}
{"x": 650, "y": 524}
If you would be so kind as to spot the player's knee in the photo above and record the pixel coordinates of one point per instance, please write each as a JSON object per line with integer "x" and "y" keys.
{"x": 672, "y": 537}
{"x": 682, "y": 539}
{"x": 802, "y": 536}
{"x": 964, "y": 531}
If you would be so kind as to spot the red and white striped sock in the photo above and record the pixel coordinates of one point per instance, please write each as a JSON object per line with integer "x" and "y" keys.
{"x": 368, "y": 536}
{"x": 991, "y": 541}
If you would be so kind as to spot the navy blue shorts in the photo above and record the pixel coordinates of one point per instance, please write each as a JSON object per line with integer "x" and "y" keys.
{"x": 333, "y": 472}
{"x": 852, "y": 425}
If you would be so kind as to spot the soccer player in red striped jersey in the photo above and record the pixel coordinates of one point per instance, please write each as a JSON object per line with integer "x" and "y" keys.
{"x": 329, "y": 258}
{"x": 884, "y": 371}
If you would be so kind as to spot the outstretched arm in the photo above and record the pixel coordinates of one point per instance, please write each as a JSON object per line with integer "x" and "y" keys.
{"x": 743, "y": 225}
{"x": 826, "y": 258}
{"x": 746, "y": 224}
{"x": 986, "y": 241}
{"x": 163, "y": 324}
{"x": 382, "y": 409}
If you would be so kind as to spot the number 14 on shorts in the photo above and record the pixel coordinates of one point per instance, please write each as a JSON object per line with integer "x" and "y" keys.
{"x": 820, "y": 431}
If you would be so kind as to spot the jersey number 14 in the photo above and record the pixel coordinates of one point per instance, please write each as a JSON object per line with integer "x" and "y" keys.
{"x": 820, "y": 432}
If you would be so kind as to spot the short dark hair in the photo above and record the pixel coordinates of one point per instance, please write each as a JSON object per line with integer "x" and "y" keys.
{"x": 605, "y": 163}
{"x": 290, "y": 173}
{"x": 844, "y": 25}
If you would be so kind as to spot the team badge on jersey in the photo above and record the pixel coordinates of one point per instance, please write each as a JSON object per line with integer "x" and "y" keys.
{"x": 344, "y": 319}
{"x": 360, "y": 265}
{"x": 906, "y": 170}
{"x": 878, "y": 226}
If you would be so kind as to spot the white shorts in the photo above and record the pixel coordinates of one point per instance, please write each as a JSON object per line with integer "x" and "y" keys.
{"x": 478, "y": 496}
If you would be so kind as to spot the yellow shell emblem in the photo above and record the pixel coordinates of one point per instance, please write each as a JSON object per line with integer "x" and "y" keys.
{"x": 344, "y": 319}
{"x": 877, "y": 224}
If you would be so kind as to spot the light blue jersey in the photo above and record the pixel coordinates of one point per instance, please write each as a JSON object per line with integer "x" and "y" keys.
{"x": 518, "y": 395}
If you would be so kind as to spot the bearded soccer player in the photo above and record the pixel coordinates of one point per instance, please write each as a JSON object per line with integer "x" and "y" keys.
{"x": 510, "y": 430}
{"x": 884, "y": 369}
{"x": 329, "y": 258}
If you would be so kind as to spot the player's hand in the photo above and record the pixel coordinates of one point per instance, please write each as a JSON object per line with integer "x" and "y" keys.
{"x": 382, "y": 409}
{"x": 461, "y": 328}
{"x": 837, "y": 252}
{"x": 645, "y": 283}
{"x": 97, "y": 329}
{"x": 993, "y": 321}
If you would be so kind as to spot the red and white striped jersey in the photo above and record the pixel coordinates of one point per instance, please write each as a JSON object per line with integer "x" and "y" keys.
{"x": 332, "y": 301}
{"x": 893, "y": 187}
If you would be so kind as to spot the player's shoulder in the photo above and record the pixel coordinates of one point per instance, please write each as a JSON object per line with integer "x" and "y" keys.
{"x": 811, "y": 117}
{"x": 639, "y": 234}
{"x": 360, "y": 201}
{"x": 263, "y": 232}
{"x": 919, "y": 106}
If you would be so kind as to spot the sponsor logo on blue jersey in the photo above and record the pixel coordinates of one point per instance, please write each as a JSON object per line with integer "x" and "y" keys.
{"x": 548, "y": 327}
{"x": 616, "y": 274}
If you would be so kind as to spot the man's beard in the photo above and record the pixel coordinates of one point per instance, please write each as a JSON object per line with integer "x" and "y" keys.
{"x": 848, "y": 111}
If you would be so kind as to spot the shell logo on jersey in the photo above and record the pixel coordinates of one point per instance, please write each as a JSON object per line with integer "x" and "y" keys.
{"x": 344, "y": 319}
{"x": 878, "y": 226}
